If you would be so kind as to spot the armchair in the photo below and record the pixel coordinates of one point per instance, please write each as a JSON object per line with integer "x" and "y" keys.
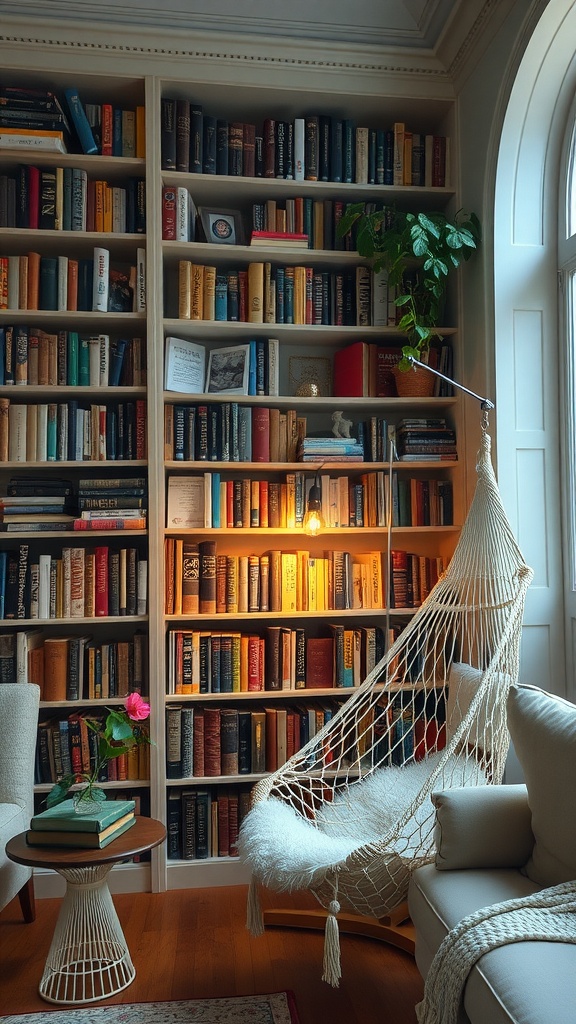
{"x": 19, "y": 704}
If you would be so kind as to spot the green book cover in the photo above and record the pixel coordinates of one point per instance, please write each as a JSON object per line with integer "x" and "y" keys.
{"x": 63, "y": 817}
{"x": 81, "y": 840}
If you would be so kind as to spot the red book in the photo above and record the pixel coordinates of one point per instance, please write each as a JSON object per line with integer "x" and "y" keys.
{"x": 243, "y": 296}
{"x": 140, "y": 428}
{"x": 233, "y": 823}
{"x": 106, "y": 118}
{"x": 110, "y": 524}
{"x": 223, "y": 825}
{"x": 260, "y": 434}
{"x": 386, "y": 360}
{"x": 169, "y": 213}
{"x": 249, "y": 150}
{"x": 72, "y": 289}
{"x": 254, "y": 674}
{"x": 281, "y": 237}
{"x": 352, "y": 371}
{"x": 101, "y": 581}
{"x": 319, "y": 662}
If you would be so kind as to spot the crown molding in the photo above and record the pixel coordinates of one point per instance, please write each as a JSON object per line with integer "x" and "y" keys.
{"x": 135, "y": 45}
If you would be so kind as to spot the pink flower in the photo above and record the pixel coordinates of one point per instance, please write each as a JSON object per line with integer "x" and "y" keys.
{"x": 136, "y": 708}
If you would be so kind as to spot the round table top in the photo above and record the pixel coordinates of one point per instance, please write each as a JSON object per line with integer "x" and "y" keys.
{"x": 144, "y": 835}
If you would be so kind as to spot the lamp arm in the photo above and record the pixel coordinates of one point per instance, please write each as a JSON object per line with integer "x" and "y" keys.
{"x": 485, "y": 403}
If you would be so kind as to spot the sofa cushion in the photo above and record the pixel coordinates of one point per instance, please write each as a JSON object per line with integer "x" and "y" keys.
{"x": 543, "y": 730}
{"x": 482, "y": 827}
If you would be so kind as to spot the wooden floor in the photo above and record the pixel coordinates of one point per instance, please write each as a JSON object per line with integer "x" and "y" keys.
{"x": 193, "y": 944}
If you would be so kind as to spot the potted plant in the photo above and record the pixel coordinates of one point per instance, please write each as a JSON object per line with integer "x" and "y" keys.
{"x": 419, "y": 251}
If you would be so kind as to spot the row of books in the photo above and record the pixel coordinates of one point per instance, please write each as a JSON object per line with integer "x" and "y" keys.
{"x": 413, "y": 576}
{"x": 266, "y": 294}
{"x": 79, "y": 582}
{"x": 208, "y": 502}
{"x": 276, "y": 581}
{"x": 59, "y": 283}
{"x": 66, "y": 199}
{"x": 209, "y": 742}
{"x": 309, "y": 148}
{"x": 30, "y": 355}
{"x": 74, "y": 668}
{"x": 229, "y": 432}
{"x": 72, "y": 431}
{"x": 65, "y": 745}
{"x": 252, "y": 368}
{"x": 318, "y": 219}
{"x": 282, "y": 658}
{"x": 204, "y": 823}
{"x": 85, "y": 127}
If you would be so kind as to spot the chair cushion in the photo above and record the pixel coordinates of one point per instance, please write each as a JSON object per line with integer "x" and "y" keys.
{"x": 543, "y": 730}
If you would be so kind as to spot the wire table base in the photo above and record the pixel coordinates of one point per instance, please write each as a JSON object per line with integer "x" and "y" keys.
{"x": 88, "y": 958}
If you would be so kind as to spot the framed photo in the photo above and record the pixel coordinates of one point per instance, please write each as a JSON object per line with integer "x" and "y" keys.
{"x": 228, "y": 371}
{"x": 221, "y": 227}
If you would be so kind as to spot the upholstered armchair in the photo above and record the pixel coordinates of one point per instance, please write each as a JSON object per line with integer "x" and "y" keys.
{"x": 18, "y": 728}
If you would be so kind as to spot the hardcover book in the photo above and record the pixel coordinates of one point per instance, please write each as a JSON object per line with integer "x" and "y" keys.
{"x": 63, "y": 817}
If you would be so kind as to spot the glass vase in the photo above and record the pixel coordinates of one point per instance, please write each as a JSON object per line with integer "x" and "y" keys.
{"x": 88, "y": 800}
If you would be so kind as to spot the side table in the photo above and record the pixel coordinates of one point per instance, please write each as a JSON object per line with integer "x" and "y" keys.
{"x": 88, "y": 958}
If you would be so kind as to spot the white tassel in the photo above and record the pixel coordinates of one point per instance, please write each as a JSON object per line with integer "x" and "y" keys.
{"x": 332, "y": 972}
{"x": 254, "y": 916}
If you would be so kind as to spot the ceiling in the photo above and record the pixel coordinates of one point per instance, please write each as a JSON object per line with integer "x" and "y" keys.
{"x": 414, "y": 24}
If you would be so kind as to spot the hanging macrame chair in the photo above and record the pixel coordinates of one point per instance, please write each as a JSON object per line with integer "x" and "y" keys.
{"x": 349, "y": 816}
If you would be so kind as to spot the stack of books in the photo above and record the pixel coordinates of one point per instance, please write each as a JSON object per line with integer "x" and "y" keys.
{"x": 425, "y": 440}
{"x": 32, "y": 119}
{"x": 63, "y": 826}
{"x": 115, "y": 504}
{"x": 330, "y": 449}
{"x": 37, "y": 504}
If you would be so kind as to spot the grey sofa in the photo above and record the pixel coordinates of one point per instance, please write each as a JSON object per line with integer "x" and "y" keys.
{"x": 499, "y": 843}
{"x": 19, "y": 704}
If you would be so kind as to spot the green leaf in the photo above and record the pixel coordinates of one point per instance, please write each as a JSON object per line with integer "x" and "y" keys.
{"x": 60, "y": 791}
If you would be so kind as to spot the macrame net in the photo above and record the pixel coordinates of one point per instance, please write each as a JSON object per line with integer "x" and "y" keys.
{"x": 349, "y": 816}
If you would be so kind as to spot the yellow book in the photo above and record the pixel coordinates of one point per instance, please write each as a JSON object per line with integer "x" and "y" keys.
{"x": 232, "y": 584}
{"x": 256, "y": 293}
{"x": 184, "y": 289}
{"x": 291, "y": 501}
{"x": 107, "y": 207}
{"x": 299, "y": 295}
{"x": 302, "y": 580}
{"x": 289, "y": 575}
{"x": 244, "y": 646}
{"x": 312, "y": 584}
{"x": 242, "y": 584}
{"x": 209, "y": 294}
{"x": 196, "y": 291}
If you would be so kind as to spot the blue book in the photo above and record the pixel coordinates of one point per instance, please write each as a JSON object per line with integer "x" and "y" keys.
{"x": 280, "y": 295}
{"x": 72, "y": 428}
{"x": 52, "y": 432}
{"x": 2, "y": 354}
{"x": 117, "y": 132}
{"x": 221, "y": 298}
{"x": 252, "y": 369}
{"x": 84, "y": 362}
{"x": 80, "y": 121}
{"x": 216, "y": 514}
{"x": 117, "y": 350}
{"x": 63, "y": 817}
{"x": 67, "y": 200}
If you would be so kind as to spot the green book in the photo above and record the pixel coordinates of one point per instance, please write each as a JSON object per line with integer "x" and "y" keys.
{"x": 63, "y": 817}
{"x": 82, "y": 840}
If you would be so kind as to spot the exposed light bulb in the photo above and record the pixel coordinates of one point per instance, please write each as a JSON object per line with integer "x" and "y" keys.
{"x": 313, "y": 518}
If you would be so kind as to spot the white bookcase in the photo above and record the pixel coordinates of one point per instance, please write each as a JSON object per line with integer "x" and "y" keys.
{"x": 234, "y": 89}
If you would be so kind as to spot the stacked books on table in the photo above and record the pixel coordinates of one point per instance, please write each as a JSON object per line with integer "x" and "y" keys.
{"x": 62, "y": 826}
{"x": 330, "y": 449}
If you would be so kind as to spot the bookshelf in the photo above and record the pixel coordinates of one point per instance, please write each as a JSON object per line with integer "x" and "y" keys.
{"x": 234, "y": 94}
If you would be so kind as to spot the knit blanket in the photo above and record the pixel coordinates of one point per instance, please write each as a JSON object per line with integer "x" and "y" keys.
{"x": 545, "y": 916}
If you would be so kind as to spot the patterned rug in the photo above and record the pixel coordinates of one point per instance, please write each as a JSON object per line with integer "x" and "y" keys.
{"x": 277, "y": 1008}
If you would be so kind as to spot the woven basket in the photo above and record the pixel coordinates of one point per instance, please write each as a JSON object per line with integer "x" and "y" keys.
{"x": 414, "y": 383}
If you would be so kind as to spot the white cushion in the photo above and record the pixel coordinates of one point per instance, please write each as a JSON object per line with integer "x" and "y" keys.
{"x": 543, "y": 730}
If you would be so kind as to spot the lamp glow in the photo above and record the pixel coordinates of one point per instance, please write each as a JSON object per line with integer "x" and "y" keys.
{"x": 313, "y": 518}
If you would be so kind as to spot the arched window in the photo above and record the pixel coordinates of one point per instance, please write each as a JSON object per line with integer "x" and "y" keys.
{"x": 567, "y": 361}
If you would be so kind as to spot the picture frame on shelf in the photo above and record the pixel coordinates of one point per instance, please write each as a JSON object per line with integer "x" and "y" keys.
{"x": 310, "y": 376}
{"x": 228, "y": 370}
{"x": 221, "y": 227}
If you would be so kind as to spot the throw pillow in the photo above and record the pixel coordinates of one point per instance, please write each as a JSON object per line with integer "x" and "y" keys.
{"x": 543, "y": 730}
